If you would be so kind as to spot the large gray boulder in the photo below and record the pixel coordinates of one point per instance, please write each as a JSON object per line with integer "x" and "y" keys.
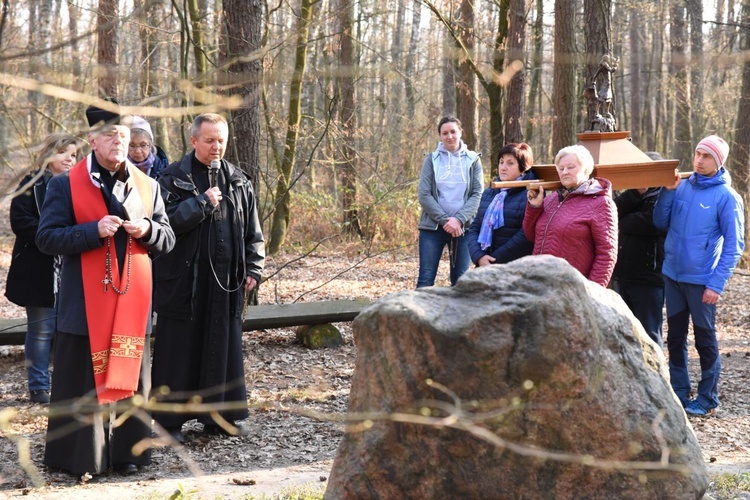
{"x": 558, "y": 394}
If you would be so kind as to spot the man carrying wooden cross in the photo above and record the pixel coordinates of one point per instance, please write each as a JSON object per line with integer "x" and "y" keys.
{"x": 705, "y": 220}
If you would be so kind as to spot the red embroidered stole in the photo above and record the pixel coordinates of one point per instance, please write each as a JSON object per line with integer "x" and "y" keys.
{"x": 117, "y": 323}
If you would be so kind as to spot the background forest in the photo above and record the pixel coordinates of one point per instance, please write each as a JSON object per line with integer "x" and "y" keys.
{"x": 333, "y": 103}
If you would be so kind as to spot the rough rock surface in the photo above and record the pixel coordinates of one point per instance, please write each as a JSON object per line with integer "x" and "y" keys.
{"x": 553, "y": 391}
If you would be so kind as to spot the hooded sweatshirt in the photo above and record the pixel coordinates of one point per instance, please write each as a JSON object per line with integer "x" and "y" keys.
{"x": 450, "y": 185}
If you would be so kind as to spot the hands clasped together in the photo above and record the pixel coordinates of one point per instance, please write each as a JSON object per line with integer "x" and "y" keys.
{"x": 454, "y": 227}
{"x": 109, "y": 224}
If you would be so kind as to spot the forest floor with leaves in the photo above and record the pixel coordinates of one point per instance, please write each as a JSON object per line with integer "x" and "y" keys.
{"x": 295, "y": 394}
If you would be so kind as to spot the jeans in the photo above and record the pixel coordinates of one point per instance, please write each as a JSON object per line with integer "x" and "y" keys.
{"x": 685, "y": 300}
{"x": 646, "y": 303}
{"x": 40, "y": 329}
{"x": 431, "y": 245}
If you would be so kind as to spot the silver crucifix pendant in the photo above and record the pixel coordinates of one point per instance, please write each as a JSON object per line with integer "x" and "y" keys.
{"x": 106, "y": 282}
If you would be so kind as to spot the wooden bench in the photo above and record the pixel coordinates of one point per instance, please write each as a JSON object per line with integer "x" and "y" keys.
{"x": 301, "y": 313}
{"x": 13, "y": 331}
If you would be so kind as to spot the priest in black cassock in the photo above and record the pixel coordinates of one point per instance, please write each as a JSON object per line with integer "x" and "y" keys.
{"x": 201, "y": 285}
{"x": 106, "y": 219}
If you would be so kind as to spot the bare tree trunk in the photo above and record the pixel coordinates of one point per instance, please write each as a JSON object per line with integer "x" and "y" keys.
{"x": 147, "y": 45}
{"x": 564, "y": 86}
{"x": 243, "y": 28}
{"x": 198, "y": 42}
{"x": 636, "y": 102}
{"x": 106, "y": 39}
{"x": 411, "y": 59}
{"x": 535, "y": 86}
{"x": 515, "y": 60}
{"x": 597, "y": 28}
{"x": 449, "y": 78}
{"x": 348, "y": 118}
{"x": 695, "y": 14}
{"x": 4, "y": 19}
{"x": 281, "y": 214}
{"x": 682, "y": 143}
{"x": 496, "y": 91}
{"x": 466, "y": 99}
{"x": 397, "y": 49}
{"x": 43, "y": 25}
{"x": 739, "y": 158}
{"x": 74, "y": 14}
{"x": 663, "y": 102}
{"x": 491, "y": 86}
{"x": 718, "y": 34}
{"x": 652, "y": 61}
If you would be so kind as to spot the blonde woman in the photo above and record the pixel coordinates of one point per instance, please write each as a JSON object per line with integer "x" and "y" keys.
{"x": 31, "y": 277}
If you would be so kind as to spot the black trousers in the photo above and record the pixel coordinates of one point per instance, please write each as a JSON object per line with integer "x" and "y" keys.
{"x": 78, "y": 436}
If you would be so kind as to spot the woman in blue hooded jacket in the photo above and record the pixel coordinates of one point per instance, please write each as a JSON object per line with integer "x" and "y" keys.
{"x": 450, "y": 186}
{"x": 496, "y": 234}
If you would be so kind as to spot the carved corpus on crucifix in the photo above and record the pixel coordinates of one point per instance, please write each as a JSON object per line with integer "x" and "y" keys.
{"x": 600, "y": 94}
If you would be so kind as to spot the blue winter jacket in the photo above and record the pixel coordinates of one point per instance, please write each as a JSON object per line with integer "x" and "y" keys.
{"x": 705, "y": 221}
{"x": 508, "y": 242}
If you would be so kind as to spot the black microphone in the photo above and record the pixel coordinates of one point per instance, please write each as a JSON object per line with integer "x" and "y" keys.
{"x": 213, "y": 172}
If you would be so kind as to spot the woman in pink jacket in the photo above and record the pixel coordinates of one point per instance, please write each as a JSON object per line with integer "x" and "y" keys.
{"x": 577, "y": 223}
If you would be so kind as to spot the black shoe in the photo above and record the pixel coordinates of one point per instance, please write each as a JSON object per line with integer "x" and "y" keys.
{"x": 126, "y": 469}
{"x": 41, "y": 396}
{"x": 176, "y": 434}
{"x": 236, "y": 429}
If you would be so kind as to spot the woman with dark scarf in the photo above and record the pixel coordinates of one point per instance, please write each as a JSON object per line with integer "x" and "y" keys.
{"x": 142, "y": 152}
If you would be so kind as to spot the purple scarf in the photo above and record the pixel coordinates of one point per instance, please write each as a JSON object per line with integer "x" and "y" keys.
{"x": 493, "y": 219}
{"x": 146, "y": 164}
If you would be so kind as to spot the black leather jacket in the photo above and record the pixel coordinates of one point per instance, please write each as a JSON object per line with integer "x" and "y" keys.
{"x": 176, "y": 273}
